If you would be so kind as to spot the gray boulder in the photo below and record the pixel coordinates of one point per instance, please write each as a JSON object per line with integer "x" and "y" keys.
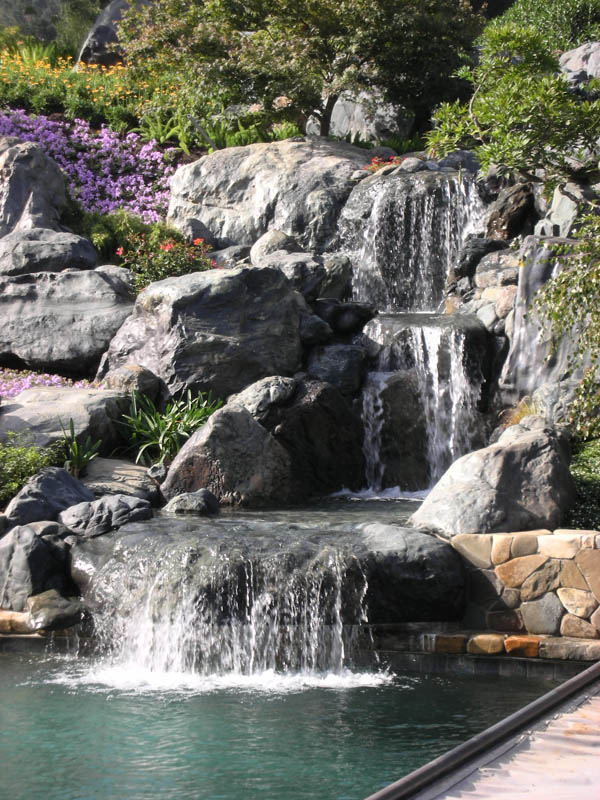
{"x": 366, "y": 116}
{"x": 63, "y": 322}
{"x": 116, "y": 476}
{"x": 343, "y": 365}
{"x": 344, "y": 318}
{"x": 50, "y": 611}
{"x": 32, "y": 188}
{"x": 582, "y": 63}
{"x": 512, "y": 214}
{"x": 236, "y": 459}
{"x": 418, "y": 577}
{"x": 31, "y": 564}
{"x": 316, "y": 426}
{"x": 543, "y": 616}
{"x": 37, "y": 414}
{"x": 305, "y": 272}
{"x": 273, "y": 241}
{"x": 94, "y": 518}
{"x": 520, "y": 483}
{"x": 533, "y": 359}
{"x": 44, "y": 250}
{"x": 199, "y": 503}
{"x": 567, "y": 202}
{"x": 296, "y": 186}
{"x": 472, "y": 252}
{"x": 218, "y": 330}
{"x": 133, "y": 378}
{"x": 45, "y": 495}
{"x": 101, "y": 44}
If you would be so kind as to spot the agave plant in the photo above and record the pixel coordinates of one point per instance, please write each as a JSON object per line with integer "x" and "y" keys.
{"x": 158, "y": 436}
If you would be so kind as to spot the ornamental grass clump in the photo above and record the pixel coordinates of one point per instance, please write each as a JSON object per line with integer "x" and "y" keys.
{"x": 105, "y": 171}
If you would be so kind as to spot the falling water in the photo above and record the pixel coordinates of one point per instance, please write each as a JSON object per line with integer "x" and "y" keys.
{"x": 430, "y": 353}
{"x": 205, "y": 608}
{"x": 404, "y": 232}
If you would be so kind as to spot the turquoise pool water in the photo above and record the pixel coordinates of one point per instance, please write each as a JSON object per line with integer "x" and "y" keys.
{"x": 82, "y": 729}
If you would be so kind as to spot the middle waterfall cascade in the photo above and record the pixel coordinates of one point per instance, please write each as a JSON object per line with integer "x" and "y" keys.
{"x": 403, "y": 233}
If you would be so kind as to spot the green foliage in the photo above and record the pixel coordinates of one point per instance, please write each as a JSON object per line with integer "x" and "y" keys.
{"x": 293, "y": 58}
{"x": 72, "y": 24}
{"x": 563, "y": 24}
{"x": 119, "y": 231}
{"x": 413, "y": 145}
{"x": 569, "y": 306}
{"x": 153, "y": 258}
{"x": 19, "y": 461}
{"x": 522, "y": 115}
{"x": 78, "y": 455}
{"x": 158, "y": 436}
{"x": 585, "y": 469}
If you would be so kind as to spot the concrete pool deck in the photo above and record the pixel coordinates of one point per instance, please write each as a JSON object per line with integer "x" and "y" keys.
{"x": 549, "y": 749}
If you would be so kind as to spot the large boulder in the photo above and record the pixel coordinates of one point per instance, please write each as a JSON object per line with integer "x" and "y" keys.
{"x": 31, "y": 564}
{"x": 582, "y": 63}
{"x": 45, "y": 495}
{"x": 218, "y": 330}
{"x": 63, "y": 322}
{"x": 512, "y": 214}
{"x": 117, "y": 476}
{"x": 94, "y": 518}
{"x": 37, "y": 415}
{"x": 297, "y": 186}
{"x": 44, "y": 250}
{"x": 318, "y": 429}
{"x": 32, "y": 188}
{"x": 236, "y": 459}
{"x": 101, "y": 44}
{"x": 520, "y": 483}
{"x": 411, "y": 576}
{"x": 533, "y": 358}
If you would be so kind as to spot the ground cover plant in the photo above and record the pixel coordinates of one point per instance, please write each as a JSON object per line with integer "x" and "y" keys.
{"x": 105, "y": 171}
{"x": 19, "y": 461}
{"x": 13, "y": 381}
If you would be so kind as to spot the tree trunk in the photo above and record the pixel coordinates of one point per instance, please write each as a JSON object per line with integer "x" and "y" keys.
{"x": 326, "y": 114}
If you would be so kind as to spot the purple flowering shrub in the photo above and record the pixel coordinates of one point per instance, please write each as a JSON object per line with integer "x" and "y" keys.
{"x": 105, "y": 171}
{"x": 13, "y": 382}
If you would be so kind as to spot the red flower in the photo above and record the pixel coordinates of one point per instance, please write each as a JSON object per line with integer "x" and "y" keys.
{"x": 199, "y": 240}
{"x": 119, "y": 251}
{"x": 168, "y": 246}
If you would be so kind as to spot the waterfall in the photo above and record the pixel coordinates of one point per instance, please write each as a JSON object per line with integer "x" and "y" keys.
{"x": 206, "y": 608}
{"x": 404, "y": 232}
{"x": 420, "y": 401}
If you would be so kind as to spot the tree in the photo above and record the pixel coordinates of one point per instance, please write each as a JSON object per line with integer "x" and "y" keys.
{"x": 308, "y": 51}
{"x": 522, "y": 114}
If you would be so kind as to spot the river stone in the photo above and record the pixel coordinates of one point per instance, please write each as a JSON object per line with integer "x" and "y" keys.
{"x": 216, "y": 331}
{"x": 45, "y": 495}
{"x": 94, "y": 518}
{"x": 314, "y": 330}
{"x": 32, "y": 188}
{"x": 50, "y": 611}
{"x": 338, "y": 276}
{"x": 419, "y": 577}
{"x": 303, "y": 271}
{"x": 31, "y": 564}
{"x": 582, "y": 604}
{"x": 297, "y": 186}
{"x": 273, "y": 241}
{"x": 532, "y": 361}
{"x": 343, "y": 365}
{"x": 117, "y": 476}
{"x": 520, "y": 483}
{"x": 543, "y": 615}
{"x": 317, "y": 427}
{"x": 201, "y": 502}
{"x": 570, "y": 625}
{"x": 544, "y": 580}
{"x": 63, "y": 322}
{"x": 236, "y": 459}
{"x": 473, "y": 250}
{"x": 36, "y": 415}
{"x": 43, "y": 250}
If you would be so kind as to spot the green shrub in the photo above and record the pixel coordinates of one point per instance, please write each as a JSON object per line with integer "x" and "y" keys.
{"x": 563, "y": 24}
{"x": 585, "y": 469}
{"x": 19, "y": 461}
{"x": 157, "y": 436}
{"x": 110, "y": 233}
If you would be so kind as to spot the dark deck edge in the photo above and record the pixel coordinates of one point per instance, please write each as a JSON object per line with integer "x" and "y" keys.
{"x": 429, "y": 773}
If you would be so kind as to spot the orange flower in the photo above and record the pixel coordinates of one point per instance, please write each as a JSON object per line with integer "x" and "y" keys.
{"x": 199, "y": 240}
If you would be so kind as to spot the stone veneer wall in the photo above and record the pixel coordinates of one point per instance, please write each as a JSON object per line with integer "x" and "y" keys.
{"x": 535, "y": 582}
